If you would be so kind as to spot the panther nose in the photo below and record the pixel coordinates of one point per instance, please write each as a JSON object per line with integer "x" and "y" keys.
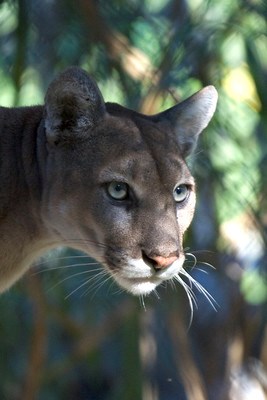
{"x": 160, "y": 262}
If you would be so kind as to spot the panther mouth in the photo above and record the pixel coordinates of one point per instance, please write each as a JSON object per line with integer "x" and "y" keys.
{"x": 139, "y": 277}
{"x": 138, "y": 286}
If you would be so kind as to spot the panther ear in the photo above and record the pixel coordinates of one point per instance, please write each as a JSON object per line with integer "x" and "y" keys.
{"x": 73, "y": 105}
{"x": 189, "y": 118}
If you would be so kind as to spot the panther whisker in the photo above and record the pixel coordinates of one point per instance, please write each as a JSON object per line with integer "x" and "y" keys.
{"x": 202, "y": 251}
{"x": 155, "y": 292}
{"x": 118, "y": 289}
{"x": 98, "y": 284}
{"x": 194, "y": 258}
{"x": 84, "y": 241}
{"x": 70, "y": 277}
{"x": 198, "y": 262}
{"x": 67, "y": 266}
{"x": 86, "y": 282}
{"x": 200, "y": 269}
{"x": 78, "y": 288}
{"x": 200, "y": 288}
{"x": 190, "y": 296}
{"x": 207, "y": 264}
{"x": 172, "y": 284}
{"x": 142, "y": 301}
{"x": 50, "y": 259}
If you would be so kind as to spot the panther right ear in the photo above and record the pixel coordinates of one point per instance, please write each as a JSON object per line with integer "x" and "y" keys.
{"x": 73, "y": 106}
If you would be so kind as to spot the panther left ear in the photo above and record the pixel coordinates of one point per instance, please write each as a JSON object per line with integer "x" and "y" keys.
{"x": 189, "y": 118}
{"x": 73, "y": 106}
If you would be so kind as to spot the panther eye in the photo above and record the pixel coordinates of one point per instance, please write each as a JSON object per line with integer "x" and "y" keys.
{"x": 118, "y": 190}
{"x": 180, "y": 193}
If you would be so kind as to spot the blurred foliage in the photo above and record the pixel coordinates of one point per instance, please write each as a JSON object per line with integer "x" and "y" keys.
{"x": 96, "y": 342}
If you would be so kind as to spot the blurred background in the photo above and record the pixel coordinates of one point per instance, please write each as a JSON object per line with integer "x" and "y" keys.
{"x": 61, "y": 338}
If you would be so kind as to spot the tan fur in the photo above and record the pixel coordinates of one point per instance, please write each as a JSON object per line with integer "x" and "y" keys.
{"x": 56, "y": 164}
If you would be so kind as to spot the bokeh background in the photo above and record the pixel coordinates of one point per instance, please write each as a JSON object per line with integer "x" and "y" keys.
{"x": 63, "y": 339}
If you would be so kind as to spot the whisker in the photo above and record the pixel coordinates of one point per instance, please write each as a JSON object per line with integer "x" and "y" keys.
{"x": 68, "y": 266}
{"x": 207, "y": 264}
{"x": 201, "y": 270}
{"x": 156, "y": 294}
{"x": 142, "y": 301}
{"x": 199, "y": 251}
{"x": 172, "y": 284}
{"x": 97, "y": 285}
{"x": 203, "y": 251}
{"x": 190, "y": 295}
{"x": 72, "y": 276}
{"x": 85, "y": 241}
{"x": 200, "y": 288}
{"x": 78, "y": 288}
{"x": 51, "y": 259}
{"x": 194, "y": 258}
{"x": 98, "y": 276}
{"x": 96, "y": 279}
{"x": 199, "y": 262}
{"x": 118, "y": 289}
{"x": 86, "y": 282}
{"x": 189, "y": 291}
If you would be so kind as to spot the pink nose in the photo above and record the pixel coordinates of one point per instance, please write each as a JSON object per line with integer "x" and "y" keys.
{"x": 160, "y": 262}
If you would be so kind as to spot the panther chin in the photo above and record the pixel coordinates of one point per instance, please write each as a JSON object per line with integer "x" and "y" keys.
{"x": 140, "y": 278}
{"x": 138, "y": 287}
